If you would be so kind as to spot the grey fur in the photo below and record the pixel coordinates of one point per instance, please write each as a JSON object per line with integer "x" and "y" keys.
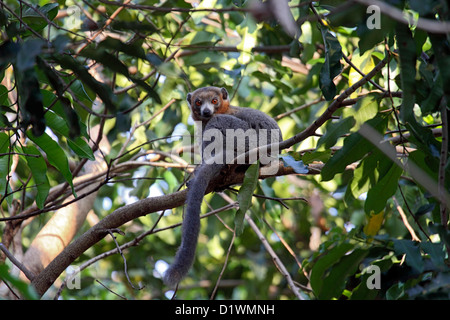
{"x": 240, "y": 118}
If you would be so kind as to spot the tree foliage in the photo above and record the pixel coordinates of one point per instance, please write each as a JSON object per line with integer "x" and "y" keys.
{"x": 95, "y": 145}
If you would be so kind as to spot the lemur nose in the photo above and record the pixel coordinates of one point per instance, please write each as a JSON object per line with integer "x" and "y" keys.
{"x": 206, "y": 113}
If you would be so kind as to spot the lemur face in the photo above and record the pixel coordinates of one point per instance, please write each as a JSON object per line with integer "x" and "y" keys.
{"x": 205, "y": 102}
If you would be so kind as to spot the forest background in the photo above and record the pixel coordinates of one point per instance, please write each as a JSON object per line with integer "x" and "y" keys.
{"x": 95, "y": 141}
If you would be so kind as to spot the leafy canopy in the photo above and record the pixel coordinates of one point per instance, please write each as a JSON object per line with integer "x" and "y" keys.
{"x": 344, "y": 80}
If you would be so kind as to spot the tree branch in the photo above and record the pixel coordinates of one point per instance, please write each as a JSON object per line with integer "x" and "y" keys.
{"x": 125, "y": 214}
{"x": 311, "y": 129}
{"x": 114, "y": 220}
{"x": 403, "y": 17}
{"x": 336, "y": 104}
{"x": 30, "y": 275}
{"x": 275, "y": 257}
{"x": 443, "y": 162}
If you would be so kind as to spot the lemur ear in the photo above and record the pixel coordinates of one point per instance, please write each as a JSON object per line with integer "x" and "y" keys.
{"x": 224, "y": 93}
{"x": 188, "y": 98}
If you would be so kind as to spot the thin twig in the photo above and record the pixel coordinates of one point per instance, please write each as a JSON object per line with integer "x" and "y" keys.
{"x": 213, "y": 294}
{"x": 115, "y": 293}
{"x": 30, "y": 275}
{"x": 288, "y": 248}
{"x": 275, "y": 258}
{"x": 107, "y": 23}
{"x": 412, "y": 214}
{"x": 124, "y": 259}
{"x": 443, "y": 162}
{"x": 303, "y": 106}
{"x": 146, "y": 122}
{"x": 405, "y": 221}
{"x": 55, "y": 207}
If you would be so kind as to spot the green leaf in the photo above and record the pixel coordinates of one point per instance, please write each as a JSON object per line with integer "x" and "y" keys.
{"x": 106, "y": 59}
{"x": 133, "y": 50}
{"x": 38, "y": 168}
{"x": 332, "y": 65}
{"x": 204, "y": 59}
{"x": 384, "y": 188}
{"x": 102, "y": 90}
{"x": 3, "y": 19}
{"x": 71, "y": 118}
{"x": 151, "y": 92}
{"x": 63, "y": 109}
{"x": 412, "y": 251}
{"x": 354, "y": 148}
{"x": 202, "y": 37}
{"x": 335, "y": 282}
{"x": 31, "y": 99}
{"x": 248, "y": 30}
{"x": 25, "y": 289}
{"x": 364, "y": 176}
{"x": 83, "y": 94}
{"x": 3, "y": 97}
{"x": 239, "y": 221}
{"x": 334, "y": 132}
{"x": 426, "y": 7}
{"x": 396, "y": 291}
{"x": 436, "y": 253}
{"x": 362, "y": 291}
{"x": 424, "y": 138}
{"x": 407, "y": 53}
{"x": 55, "y": 155}
{"x": 81, "y": 148}
{"x": 33, "y": 17}
{"x": 77, "y": 144}
{"x": 321, "y": 156}
{"x": 51, "y": 75}
{"x": 112, "y": 62}
{"x": 5, "y": 165}
{"x": 433, "y": 97}
{"x": 349, "y": 18}
{"x": 171, "y": 180}
{"x": 444, "y": 234}
{"x": 442, "y": 52}
{"x": 8, "y": 52}
{"x": 364, "y": 62}
{"x": 245, "y": 195}
{"x": 365, "y": 109}
{"x": 368, "y": 38}
{"x": 408, "y": 59}
{"x": 321, "y": 268}
{"x": 29, "y": 50}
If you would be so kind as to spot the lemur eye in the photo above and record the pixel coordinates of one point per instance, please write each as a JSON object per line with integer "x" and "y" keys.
{"x": 198, "y": 103}
{"x": 214, "y": 101}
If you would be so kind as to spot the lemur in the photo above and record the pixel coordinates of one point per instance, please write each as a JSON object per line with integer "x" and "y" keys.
{"x": 211, "y": 106}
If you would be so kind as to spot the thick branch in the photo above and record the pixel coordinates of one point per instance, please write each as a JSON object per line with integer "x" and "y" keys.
{"x": 123, "y": 215}
{"x": 392, "y": 12}
{"x": 114, "y": 220}
{"x": 336, "y": 104}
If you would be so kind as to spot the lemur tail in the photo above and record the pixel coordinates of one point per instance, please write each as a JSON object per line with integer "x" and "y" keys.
{"x": 191, "y": 224}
